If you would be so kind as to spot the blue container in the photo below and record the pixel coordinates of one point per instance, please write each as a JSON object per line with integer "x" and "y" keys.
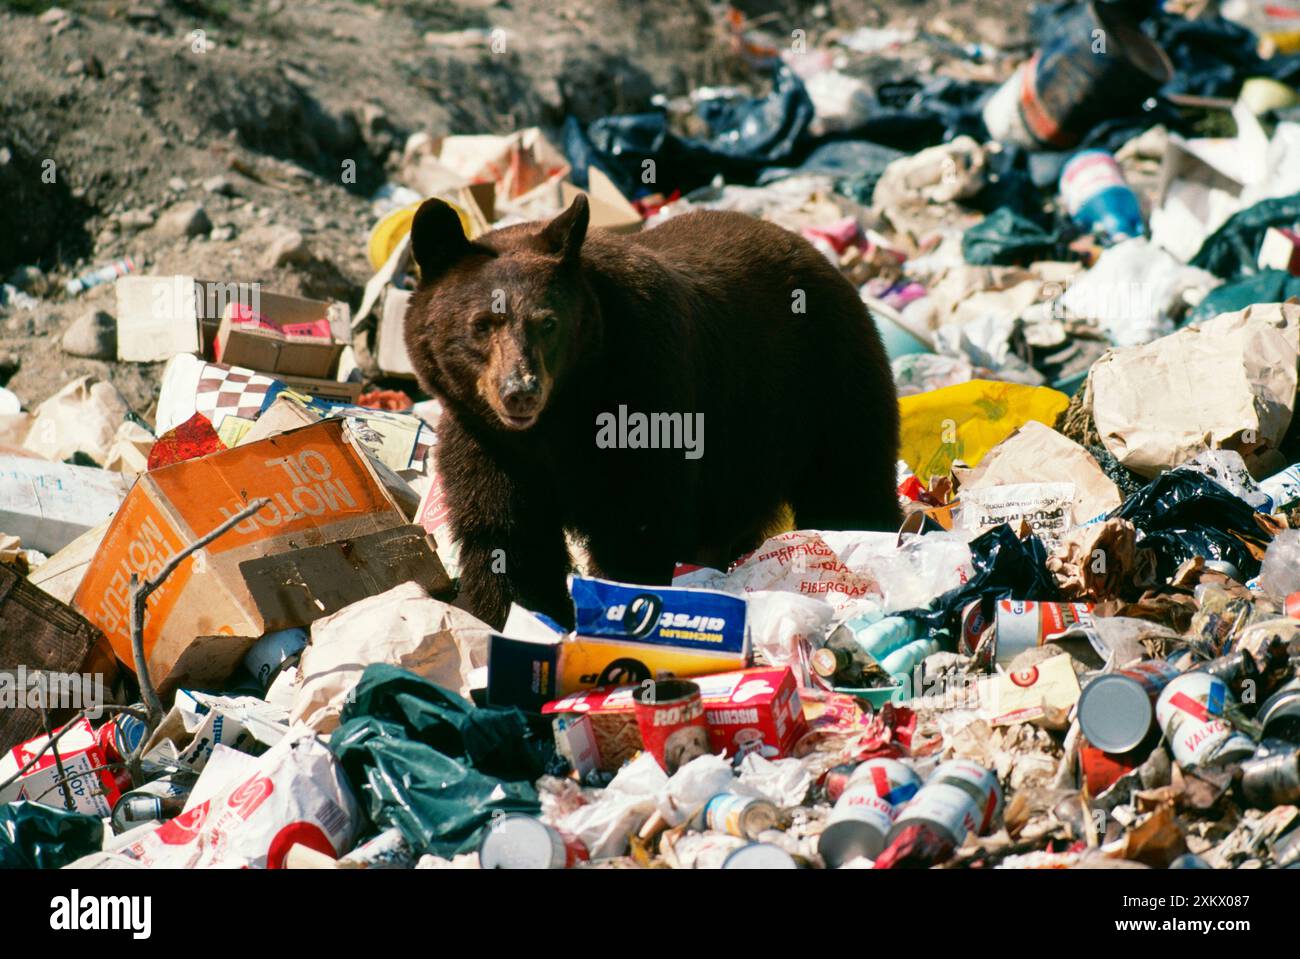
{"x": 1098, "y": 198}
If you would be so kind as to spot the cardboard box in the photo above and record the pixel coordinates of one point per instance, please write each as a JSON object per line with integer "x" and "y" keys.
{"x": 299, "y": 587}
{"x": 93, "y": 793}
{"x": 322, "y": 488}
{"x": 62, "y": 573}
{"x": 41, "y": 633}
{"x": 48, "y": 504}
{"x": 749, "y": 710}
{"x": 159, "y": 317}
{"x": 386, "y": 296}
{"x": 285, "y": 335}
{"x": 677, "y": 632}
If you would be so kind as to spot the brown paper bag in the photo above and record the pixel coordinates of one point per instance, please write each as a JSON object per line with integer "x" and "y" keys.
{"x": 1229, "y": 383}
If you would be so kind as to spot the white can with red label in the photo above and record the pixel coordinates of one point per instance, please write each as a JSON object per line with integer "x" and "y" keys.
{"x": 1190, "y": 712}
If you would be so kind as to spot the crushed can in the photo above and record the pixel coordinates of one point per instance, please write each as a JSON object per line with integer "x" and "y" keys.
{"x": 865, "y": 812}
{"x": 517, "y": 841}
{"x": 1190, "y": 712}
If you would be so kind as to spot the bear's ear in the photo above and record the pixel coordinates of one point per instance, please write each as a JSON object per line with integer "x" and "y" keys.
{"x": 566, "y": 232}
{"x": 437, "y": 238}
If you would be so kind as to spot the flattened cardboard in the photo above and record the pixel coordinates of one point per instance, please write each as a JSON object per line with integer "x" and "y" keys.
{"x": 322, "y": 488}
{"x": 299, "y": 587}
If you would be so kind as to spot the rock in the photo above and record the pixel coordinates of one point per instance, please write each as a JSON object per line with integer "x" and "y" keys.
{"x": 288, "y": 246}
{"x": 93, "y": 335}
{"x": 220, "y": 185}
{"x": 222, "y": 233}
{"x": 184, "y": 219}
{"x": 135, "y": 219}
{"x": 178, "y": 184}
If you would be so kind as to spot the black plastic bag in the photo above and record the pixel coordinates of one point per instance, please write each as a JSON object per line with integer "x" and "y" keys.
{"x": 424, "y": 760}
{"x": 36, "y": 836}
{"x": 1182, "y": 513}
{"x": 1004, "y": 238}
{"x": 1267, "y": 286}
{"x": 1006, "y": 567}
{"x": 746, "y": 135}
{"x": 1232, "y": 250}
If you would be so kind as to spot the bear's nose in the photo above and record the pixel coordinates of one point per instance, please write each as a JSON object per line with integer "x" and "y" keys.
{"x": 520, "y": 395}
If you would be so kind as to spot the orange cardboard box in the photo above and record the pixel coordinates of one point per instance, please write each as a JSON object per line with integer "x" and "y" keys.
{"x": 200, "y": 623}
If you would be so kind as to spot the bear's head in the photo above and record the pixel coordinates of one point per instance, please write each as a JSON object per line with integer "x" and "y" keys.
{"x": 498, "y": 322}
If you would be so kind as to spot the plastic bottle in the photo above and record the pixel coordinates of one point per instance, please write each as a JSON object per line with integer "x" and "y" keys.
{"x": 1098, "y": 198}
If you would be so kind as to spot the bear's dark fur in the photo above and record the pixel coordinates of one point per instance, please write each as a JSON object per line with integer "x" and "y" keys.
{"x": 533, "y": 336}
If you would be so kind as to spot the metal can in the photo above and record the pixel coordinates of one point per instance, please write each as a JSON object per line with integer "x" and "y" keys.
{"x": 100, "y": 274}
{"x": 517, "y": 841}
{"x": 1022, "y": 625}
{"x": 865, "y": 813}
{"x": 155, "y": 801}
{"x": 979, "y": 783}
{"x": 737, "y": 815}
{"x": 1190, "y": 712}
{"x": 121, "y": 735}
{"x": 1073, "y": 83}
{"x": 1282, "y": 488}
{"x": 946, "y": 808}
{"x": 1116, "y": 710}
{"x": 837, "y": 781}
{"x": 1101, "y": 770}
{"x": 1272, "y": 781}
{"x": 760, "y": 855}
{"x": 1279, "y": 715}
{"x": 670, "y": 715}
{"x": 273, "y": 653}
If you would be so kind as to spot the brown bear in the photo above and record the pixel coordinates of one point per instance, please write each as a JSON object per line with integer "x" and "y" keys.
{"x": 658, "y": 395}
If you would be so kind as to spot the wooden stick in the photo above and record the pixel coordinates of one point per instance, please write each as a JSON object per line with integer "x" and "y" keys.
{"x": 140, "y": 592}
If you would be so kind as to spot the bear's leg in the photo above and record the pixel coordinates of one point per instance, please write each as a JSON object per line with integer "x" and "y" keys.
{"x": 512, "y": 546}
{"x": 850, "y": 484}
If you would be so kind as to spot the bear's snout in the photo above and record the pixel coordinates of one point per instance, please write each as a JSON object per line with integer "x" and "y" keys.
{"x": 521, "y": 394}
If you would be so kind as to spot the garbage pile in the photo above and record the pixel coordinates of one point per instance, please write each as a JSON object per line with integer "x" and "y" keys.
{"x": 1080, "y": 650}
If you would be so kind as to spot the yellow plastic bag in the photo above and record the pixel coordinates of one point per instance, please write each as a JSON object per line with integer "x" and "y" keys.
{"x": 965, "y": 421}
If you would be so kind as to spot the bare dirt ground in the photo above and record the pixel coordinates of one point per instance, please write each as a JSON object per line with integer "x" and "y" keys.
{"x": 112, "y": 114}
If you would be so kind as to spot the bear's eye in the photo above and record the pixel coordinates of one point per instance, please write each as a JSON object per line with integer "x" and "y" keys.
{"x": 482, "y": 325}
{"x": 548, "y": 325}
